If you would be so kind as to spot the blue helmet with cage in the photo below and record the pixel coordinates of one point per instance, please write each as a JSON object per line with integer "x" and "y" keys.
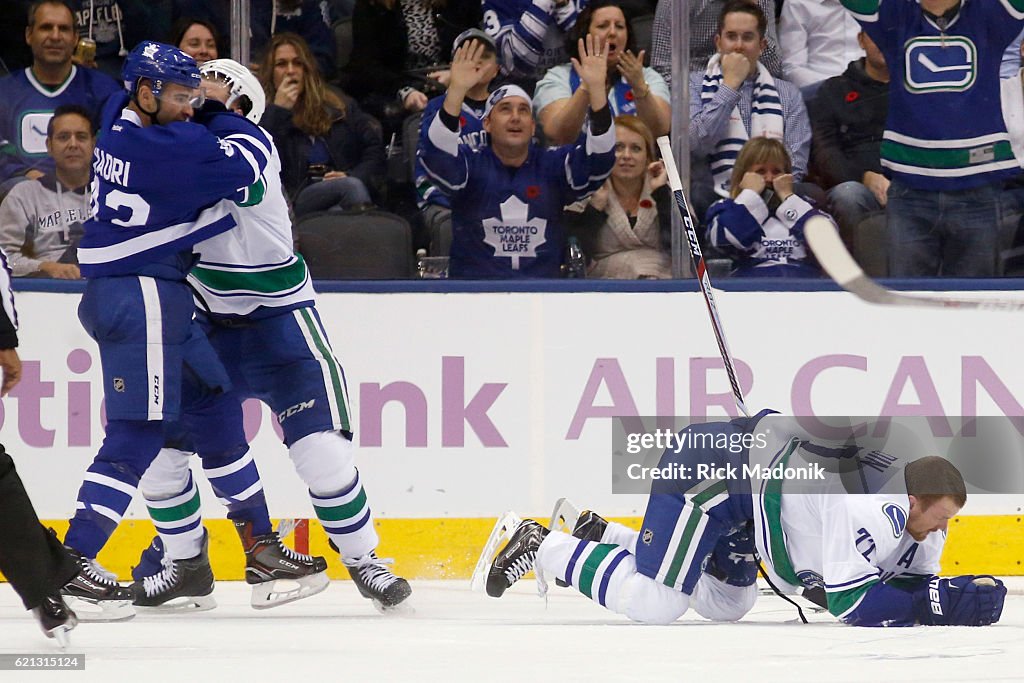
{"x": 160, "y": 64}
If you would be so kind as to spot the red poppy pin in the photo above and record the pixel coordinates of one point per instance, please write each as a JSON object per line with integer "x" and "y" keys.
{"x": 629, "y": 95}
{"x": 462, "y": 121}
{"x": 852, "y": 96}
{"x": 532, "y": 191}
{"x": 646, "y": 203}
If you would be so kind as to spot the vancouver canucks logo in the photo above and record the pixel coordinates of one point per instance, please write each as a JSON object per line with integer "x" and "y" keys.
{"x": 897, "y": 517}
{"x": 515, "y": 235}
{"x": 934, "y": 64}
{"x": 253, "y": 194}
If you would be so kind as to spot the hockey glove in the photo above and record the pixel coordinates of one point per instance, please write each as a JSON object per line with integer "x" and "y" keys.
{"x": 960, "y": 601}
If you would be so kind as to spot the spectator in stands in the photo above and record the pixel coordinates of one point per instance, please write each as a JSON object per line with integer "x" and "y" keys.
{"x": 561, "y": 99}
{"x": 736, "y": 99}
{"x": 14, "y": 53}
{"x": 818, "y": 39}
{"x": 761, "y": 226}
{"x": 848, "y": 119}
{"x": 308, "y": 18}
{"x": 434, "y": 204}
{"x": 29, "y": 97}
{"x": 508, "y": 197}
{"x": 625, "y": 227}
{"x": 946, "y": 146}
{"x": 397, "y": 46}
{"x": 531, "y": 35}
{"x": 41, "y": 220}
{"x": 704, "y": 15}
{"x": 332, "y": 155}
{"x": 197, "y": 38}
{"x": 114, "y": 27}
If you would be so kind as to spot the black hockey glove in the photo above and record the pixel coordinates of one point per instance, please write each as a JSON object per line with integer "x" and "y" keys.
{"x": 960, "y": 601}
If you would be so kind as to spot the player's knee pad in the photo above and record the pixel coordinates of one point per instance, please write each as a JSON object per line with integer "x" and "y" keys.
{"x": 719, "y": 601}
{"x": 325, "y": 461}
{"x": 167, "y": 475}
{"x": 648, "y": 601}
{"x": 129, "y": 446}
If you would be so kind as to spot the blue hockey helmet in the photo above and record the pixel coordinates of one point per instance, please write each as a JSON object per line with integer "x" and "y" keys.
{"x": 159, "y": 63}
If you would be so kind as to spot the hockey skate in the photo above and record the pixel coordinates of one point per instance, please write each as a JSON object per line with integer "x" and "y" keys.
{"x": 56, "y": 619}
{"x": 377, "y": 582}
{"x": 173, "y": 585}
{"x": 586, "y": 525}
{"x": 95, "y": 594}
{"x": 279, "y": 575}
{"x": 516, "y": 558}
{"x": 501, "y": 532}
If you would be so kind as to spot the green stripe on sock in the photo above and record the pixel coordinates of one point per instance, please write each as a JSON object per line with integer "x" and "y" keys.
{"x": 175, "y": 513}
{"x": 339, "y": 513}
{"x": 590, "y": 566}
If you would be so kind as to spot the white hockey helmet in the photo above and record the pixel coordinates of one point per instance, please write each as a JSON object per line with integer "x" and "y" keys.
{"x": 242, "y": 84}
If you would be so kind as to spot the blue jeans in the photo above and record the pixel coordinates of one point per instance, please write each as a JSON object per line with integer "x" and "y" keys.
{"x": 344, "y": 193}
{"x": 952, "y": 233}
{"x": 850, "y": 203}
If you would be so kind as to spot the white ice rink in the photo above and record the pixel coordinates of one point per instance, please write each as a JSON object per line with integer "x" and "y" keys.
{"x": 456, "y": 635}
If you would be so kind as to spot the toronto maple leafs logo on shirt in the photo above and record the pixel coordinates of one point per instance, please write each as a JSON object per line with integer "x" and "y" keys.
{"x": 514, "y": 235}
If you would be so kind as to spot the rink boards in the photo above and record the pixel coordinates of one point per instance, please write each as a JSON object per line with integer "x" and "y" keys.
{"x": 468, "y": 404}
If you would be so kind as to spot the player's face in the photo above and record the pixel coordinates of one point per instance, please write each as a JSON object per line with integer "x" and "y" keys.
{"x": 176, "y": 103}
{"x": 70, "y": 144}
{"x": 52, "y": 37}
{"x": 769, "y": 170}
{"x": 630, "y": 154}
{"x": 924, "y": 520}
{"x": 739, "y": 34}
{"x": 288, "y": 66}
{"x": 198, "y": 43}
{"x": 609, "y": 24}
{"x": 510, "y": 123}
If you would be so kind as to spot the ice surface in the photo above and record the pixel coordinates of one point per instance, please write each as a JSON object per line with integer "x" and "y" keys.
{"x": 456, "y": 635}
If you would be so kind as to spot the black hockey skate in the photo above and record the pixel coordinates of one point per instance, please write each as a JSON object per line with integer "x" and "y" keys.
{"x": 179, "y": 584}
{"x": 516, "y": 558}
{"x": 277, "y": 573}
{"x": 377, "y": 582}
{"x": 95, "y": 593}
{"x": 56, "y": 618}
{"x": 590, "y": 526}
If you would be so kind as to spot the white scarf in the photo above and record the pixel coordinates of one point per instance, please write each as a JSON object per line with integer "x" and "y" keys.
{"x": 765, "y": 120}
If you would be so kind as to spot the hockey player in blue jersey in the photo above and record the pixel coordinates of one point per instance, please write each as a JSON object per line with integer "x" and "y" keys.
{"x": 870, "y": 533}
{"x": 507, "y": 198}
{"x": 258, "y": 307}
{"x": 158, "y": 182}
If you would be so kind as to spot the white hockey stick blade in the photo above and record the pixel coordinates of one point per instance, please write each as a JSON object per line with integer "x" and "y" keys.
{"x": 564, "y": 516}
{"x": 500, "y": 534}
{"x": 831, "y": 253}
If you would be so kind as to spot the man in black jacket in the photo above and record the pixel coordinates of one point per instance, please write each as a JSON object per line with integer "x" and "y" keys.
{"x": 31, "y": 558}
{"x": 848, "y": 119}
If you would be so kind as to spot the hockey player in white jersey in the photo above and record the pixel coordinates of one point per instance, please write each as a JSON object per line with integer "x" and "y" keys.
{"x": 257, "y": 304}
{"x": 870, "y": 533}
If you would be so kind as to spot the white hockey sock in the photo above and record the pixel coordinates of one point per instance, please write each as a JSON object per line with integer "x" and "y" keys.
{"x": 619, "y": 534}
{"x": 716, "y": 600}
{"x": 606, "y": 574}
{"x": 173, "y": 502}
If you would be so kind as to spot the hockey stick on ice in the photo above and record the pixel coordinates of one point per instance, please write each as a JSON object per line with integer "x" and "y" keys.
{"x": 700, "y": 268}
{"x": 831, "y": 253}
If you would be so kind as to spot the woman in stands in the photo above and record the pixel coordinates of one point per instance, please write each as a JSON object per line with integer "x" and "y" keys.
{"x": 761, "y": 226}
{"x": 196, "y": 38}
{"x": 626, "y": 226}
{"x": 332, "y": 156}
{"x": 561, "y": 99}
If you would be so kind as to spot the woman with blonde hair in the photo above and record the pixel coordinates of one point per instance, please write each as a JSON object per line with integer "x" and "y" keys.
{"x": 626, "y": 226}
{"x": 332, "y": 154}
{"x": 761, "y": 225}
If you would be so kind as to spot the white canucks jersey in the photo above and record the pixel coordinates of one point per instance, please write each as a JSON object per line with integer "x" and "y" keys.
{"x": 253, "y": 269}
{"x": 824, "y": 535}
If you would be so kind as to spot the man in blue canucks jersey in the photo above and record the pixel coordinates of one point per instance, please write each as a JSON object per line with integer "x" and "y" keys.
{"x": 946, "y": 146}
{"x": 433, "y": 203}
{"x": 507, "y": 198}
{"x": 158, "y": 180}
{"x": 258, "y": 307}
{"x": 865, "y": 526}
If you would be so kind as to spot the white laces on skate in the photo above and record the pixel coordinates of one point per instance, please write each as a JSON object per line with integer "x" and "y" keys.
{"x": 95, "y": 571}
{"x": 374, "y": 570}
{"x": 286, "y": 526}
{"x": 162, "y": 580}
{"x": 293, "y": 555}
{"x": 520, "y": 566}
